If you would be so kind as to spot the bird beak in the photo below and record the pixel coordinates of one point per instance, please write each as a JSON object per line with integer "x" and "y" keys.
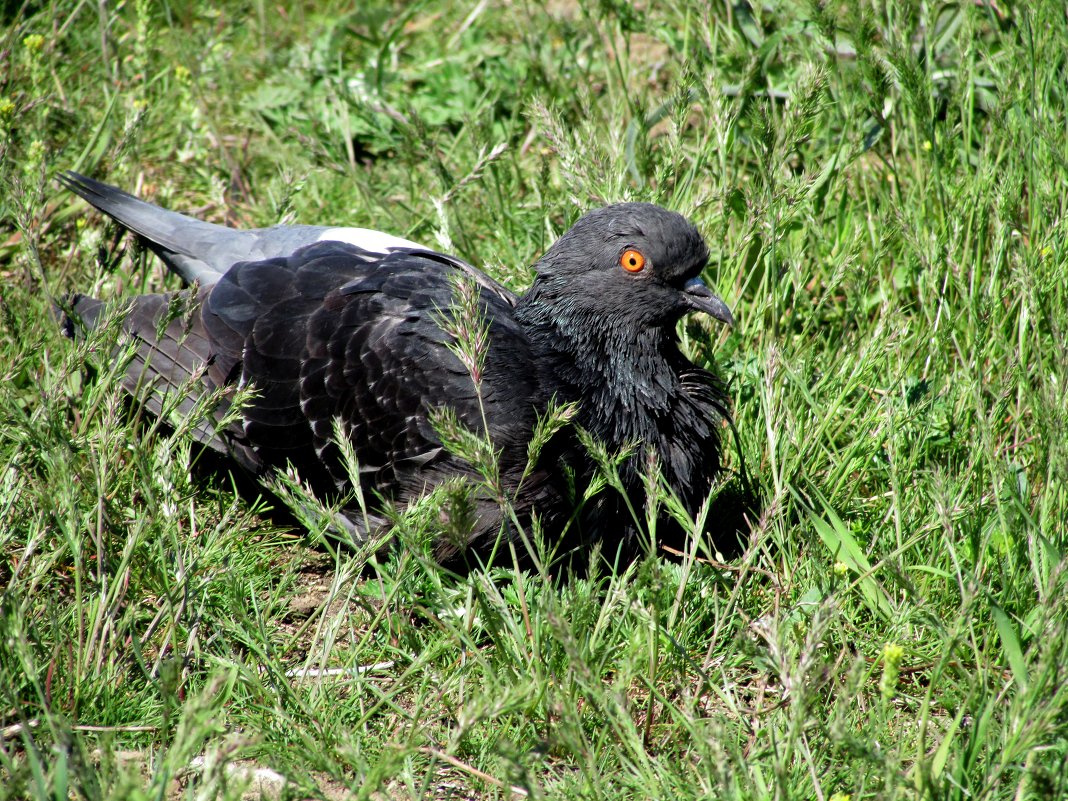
{"x": 702, "y": 299}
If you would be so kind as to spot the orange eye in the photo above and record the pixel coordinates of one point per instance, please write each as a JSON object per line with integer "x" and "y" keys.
{"x": 632, "y": 261}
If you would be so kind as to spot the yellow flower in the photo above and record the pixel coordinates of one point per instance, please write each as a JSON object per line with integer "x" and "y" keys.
{"x": 927, "y": 144}
{"x": 33, "y": 43}
{"x": 841, "y": 569}
{"x": 892, "y": 654}
{"x": 7, "y": 106}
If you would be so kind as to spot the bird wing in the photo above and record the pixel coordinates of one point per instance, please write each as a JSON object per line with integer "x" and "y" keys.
{"x": 328, "y": 332}
{"x": 172, "y": 369}
{"x": 363, "y": 341}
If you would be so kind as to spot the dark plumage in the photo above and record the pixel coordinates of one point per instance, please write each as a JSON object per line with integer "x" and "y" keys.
{"x": 355, "y": 330}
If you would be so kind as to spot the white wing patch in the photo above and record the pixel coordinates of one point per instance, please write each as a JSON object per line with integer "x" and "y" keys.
{"x": 366, "y": 239}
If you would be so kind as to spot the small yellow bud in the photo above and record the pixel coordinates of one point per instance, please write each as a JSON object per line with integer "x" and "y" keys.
{"x": 841, "y": 797}
{"x": 892, "y": 654}
{"x": 33, "y": 43}
{"x": 7, "y": 106}
{"x": 927, "y": 145}
{"x": 182, "y": 73}
{"x": 841, "y": 569}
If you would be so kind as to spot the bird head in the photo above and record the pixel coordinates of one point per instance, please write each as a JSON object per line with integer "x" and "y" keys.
{"x": 631, "y": 265}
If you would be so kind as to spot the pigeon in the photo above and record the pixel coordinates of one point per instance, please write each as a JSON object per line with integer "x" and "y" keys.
{"x": 348, "y": 336}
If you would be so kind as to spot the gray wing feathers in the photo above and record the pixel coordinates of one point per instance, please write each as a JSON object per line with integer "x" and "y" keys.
{"x": 172, "y": 236}
{"x": 202, "y": 252}
{"x": 174, "y": 371}
{"x": 198, "y": 251}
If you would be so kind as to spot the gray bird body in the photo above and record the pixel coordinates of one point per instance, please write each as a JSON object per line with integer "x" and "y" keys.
{"x": 348, "y": 326}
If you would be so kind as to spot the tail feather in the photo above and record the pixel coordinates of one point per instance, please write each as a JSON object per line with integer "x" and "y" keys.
{"x": 167, "y": 233}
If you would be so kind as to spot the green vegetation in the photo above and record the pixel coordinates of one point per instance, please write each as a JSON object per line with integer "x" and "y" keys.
{"x": 884, "y": 189}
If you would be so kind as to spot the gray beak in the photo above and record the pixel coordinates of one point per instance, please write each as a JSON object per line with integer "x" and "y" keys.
{"x": 702, "y": 299}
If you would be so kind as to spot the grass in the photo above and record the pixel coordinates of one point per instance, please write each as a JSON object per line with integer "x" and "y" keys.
{"x": 883, "y": 188}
